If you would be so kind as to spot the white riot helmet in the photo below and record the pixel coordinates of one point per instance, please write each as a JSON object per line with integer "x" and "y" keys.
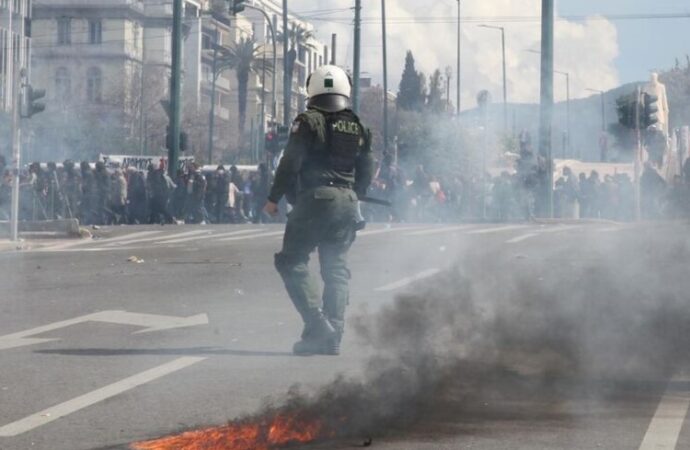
{"x": 329, "y": 89}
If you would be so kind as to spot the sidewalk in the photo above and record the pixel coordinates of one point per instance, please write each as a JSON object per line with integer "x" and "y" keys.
{"x": 8, "y": 245}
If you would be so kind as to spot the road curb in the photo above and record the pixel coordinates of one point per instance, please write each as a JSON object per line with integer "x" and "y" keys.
{"x": 44, "y": 229}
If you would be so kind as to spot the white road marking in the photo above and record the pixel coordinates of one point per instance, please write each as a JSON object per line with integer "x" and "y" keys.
{"x": 198, "y": 238}
{"x": 386, "y": 230}
{"x": 130, "y": 236}
{"x": 89, "y": 249}
{"x": 251, "y": 236}
{"x": 408, "y": 280}
{"x": 542, "y": 231}
{"x": 437, "y": 230}
{"x": 151, "y": 322}
{"x": 64, "y": 245}
{"x": 172, "y": 236}
{"x": 497, "y": 229}
{"x": 524, "y": 237}
{"x": 666, "y": 425}
{"x": 72, "y": 243}
{"x": 84, "y": 401}
{"x": 609, "y": 230}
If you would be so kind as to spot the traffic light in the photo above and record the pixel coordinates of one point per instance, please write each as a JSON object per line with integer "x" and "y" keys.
{"x": 271, "y": 142}
{"x": 184, "y": 140}
{"x": 627, "y": 107}
{"x": 237, "y": 6}
{"x": 29, "y": 105}
{"x": 650, "y": 108}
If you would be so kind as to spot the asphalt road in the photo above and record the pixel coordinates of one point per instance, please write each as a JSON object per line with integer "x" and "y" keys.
{"x": 147, "y": 331}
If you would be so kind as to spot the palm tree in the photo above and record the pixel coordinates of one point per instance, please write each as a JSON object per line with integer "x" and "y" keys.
{"x": 297, "y": 35}
{"x": 245, "y": 58}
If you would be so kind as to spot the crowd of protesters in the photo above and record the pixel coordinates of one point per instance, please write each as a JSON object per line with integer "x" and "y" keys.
{"x": 100, "y": 195}
{"x": 97, "y": 194}
{"x": 512, "y": 195}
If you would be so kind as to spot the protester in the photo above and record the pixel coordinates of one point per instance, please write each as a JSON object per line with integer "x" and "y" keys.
{"x": 116, "y": 195}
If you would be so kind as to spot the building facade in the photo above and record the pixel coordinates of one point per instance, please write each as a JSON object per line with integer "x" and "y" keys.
{"x": 106, "y": 67}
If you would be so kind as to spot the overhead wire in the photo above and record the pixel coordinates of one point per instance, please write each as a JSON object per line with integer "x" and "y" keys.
{"x": 506, "y": 19}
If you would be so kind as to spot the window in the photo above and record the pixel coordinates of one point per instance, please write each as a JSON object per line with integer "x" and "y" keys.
{"x": 206, "y": 73}
{"x": 94, "y": 85}
{"x": 63, "y": 83}
{"x": 64, "y": 31}
{"x": 95, "y": 32}
{"x": 206, "y": 41}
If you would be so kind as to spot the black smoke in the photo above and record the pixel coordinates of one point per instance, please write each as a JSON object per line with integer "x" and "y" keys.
{"x": 506, "y": 326}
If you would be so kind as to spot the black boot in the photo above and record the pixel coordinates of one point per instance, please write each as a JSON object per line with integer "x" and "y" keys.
{"x": 316, "y": 337}
{"x": 332, "y": 346}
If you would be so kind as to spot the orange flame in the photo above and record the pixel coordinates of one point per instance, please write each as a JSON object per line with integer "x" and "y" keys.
{"x": 277, "y": 431}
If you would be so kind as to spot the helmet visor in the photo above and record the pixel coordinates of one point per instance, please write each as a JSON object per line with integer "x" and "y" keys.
{"x": 329, "y": 102}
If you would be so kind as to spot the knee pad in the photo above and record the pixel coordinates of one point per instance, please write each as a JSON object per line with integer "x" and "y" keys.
{"x": 284, "y": 262}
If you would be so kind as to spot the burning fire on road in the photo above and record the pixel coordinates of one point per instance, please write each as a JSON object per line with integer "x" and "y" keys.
{"x": 263, "y": 434}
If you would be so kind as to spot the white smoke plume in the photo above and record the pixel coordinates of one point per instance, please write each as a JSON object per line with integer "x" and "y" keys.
{"x": 587, "y": 49}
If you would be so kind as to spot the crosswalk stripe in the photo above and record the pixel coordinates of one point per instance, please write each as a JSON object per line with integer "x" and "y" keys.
{"x": 609, "y": 230}
{"x": 72, "y": 244}
{"x": 199, "y": 238}
{"x": 251, "y": 236}
{"x": 436, "y": 230}
{"x": 667, "y": 423}
{"x": 172, "y": 236}
{"x": 560, "y": 229}
{"x": 408, "y": 280}
{"x": 386, "y": 230}
{"x": 524, "y": 237}
{"x": 84, "y": 401}
{"x": 497, "y": 229}
{"x": 130, "y": 236}
{"x": 527, "y": 236}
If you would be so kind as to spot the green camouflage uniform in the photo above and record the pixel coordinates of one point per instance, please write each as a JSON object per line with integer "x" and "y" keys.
{"x": 326, "y": 163}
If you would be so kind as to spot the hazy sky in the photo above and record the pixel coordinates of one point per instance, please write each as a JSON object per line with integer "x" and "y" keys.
{"x": 598, "y": 53}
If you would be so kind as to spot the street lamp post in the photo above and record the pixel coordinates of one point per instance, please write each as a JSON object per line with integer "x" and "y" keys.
{"x": 273, "y": 75}
{"x": 459, "y": 78}
{"x": 275, "y": 58}
{"x": 567, "y": 87}
{"x": 357, "y": 56}
{"x": 175, "y": 110}
{"x": 505, "y": 83}
{"x": 546, "y": 101}
{"x": 287, "y": 99}
{"x": 385, "y": 76}
{"x": 212, "y": 113}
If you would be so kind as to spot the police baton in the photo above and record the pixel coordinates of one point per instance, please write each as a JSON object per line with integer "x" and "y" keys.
{"x": 375, "y": 201}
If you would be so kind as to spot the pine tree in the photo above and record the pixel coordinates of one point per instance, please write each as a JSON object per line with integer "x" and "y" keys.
{"x": 435, "y": 101}
{"x": 412, "y": 89}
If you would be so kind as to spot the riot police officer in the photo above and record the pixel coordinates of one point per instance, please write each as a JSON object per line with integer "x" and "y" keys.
{"x": 327, "y": 163}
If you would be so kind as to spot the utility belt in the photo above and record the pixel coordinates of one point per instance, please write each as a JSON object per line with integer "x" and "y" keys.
{"x": 332, "y": 183}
